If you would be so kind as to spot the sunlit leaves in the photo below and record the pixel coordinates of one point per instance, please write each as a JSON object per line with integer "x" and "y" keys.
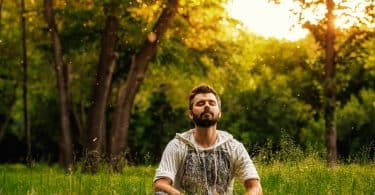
{"x": 205, "y": 24}
{"x": 370, "y": 61}
{"x": 147, "y": 12}
{"x": 347, "y": 13}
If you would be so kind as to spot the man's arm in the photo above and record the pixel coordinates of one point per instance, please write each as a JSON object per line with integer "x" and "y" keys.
{"x": 168, "y": 168}
{"x": 245, "y": 170}
{"x": 253, "y": 187}
{"x": 165, "y": 185}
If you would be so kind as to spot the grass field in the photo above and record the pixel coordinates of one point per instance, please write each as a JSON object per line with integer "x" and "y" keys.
{"x": 308, "y": 176}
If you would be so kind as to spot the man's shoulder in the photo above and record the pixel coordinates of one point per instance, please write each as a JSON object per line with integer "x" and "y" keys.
{"x": 185, "y": 134}
{"x": 224, "y": 133}
{"x": 180, "y": 139}
{"x": 175, "y": 142}
{"x": 227, "y": 138}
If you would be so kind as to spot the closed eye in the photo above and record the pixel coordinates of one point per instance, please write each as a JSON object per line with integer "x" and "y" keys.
{"x": 203, "y": 102}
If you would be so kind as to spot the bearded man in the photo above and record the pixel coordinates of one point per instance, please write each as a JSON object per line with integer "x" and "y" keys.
{"x": 205, "y": 160}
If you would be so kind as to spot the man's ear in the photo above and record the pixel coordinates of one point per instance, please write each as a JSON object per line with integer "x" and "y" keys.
{"x": 190, "y": 113}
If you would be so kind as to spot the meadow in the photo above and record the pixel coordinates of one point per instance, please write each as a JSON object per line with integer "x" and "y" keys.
{"x": 308, "y": 176}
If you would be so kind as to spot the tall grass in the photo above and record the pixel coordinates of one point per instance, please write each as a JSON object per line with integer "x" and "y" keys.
{"x": 309, "y": 176}
{"x": 312, "y": 176}
{"x": 288, "y": 170}
{"x": 43, "y": 179}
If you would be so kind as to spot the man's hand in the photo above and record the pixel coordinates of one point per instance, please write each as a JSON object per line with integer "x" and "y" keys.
{"x": 253, "y": 187}
{"x": 165, "y": 185}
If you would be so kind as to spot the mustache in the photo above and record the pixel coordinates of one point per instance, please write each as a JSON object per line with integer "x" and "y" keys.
{"x": 206, "y": 112}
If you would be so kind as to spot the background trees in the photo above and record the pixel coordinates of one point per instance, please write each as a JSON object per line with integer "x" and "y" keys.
{"x": 324, "y": 31}
{"x": 268, "y": 86}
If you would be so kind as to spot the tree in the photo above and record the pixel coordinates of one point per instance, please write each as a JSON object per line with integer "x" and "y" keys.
{"x": 95, "y": 127}
{"x": 61, "y": 71}
{"x": 24, "y": 86}
{"x": 129, "y": 88}
{"x": 330, "y": 93}
{"x": 95, "y": 131}
{"x": 324, "y": 33}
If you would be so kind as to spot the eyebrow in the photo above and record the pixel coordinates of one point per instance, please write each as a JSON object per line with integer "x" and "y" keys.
{"x": 206, "y": 100}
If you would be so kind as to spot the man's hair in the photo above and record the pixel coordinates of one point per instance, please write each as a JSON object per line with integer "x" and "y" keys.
{"x": 203, "y": 88}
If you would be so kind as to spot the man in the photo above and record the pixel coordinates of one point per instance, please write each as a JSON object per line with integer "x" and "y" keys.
{"x": 205, "y": 160}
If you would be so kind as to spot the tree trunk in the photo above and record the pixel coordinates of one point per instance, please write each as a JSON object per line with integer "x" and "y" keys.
{"x": 95, "y": 141}
{"x": 79, "y": 118}
{"x": 24, "y": 87}
{"x": 330, "y": 99}
{"x": 62, "y": 85}
{"x": 128, "y": 90}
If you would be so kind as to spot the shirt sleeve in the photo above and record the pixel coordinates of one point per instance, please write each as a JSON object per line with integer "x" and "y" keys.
{"x": 170, "y": 161}
{"x": 244, "y": 167}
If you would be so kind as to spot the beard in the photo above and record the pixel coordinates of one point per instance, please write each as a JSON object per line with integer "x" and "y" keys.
{"x": 203, "y": 121}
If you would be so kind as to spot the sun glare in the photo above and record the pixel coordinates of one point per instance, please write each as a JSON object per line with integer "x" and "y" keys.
{"x": 356, "y": 10}
{"x": 276, "y": 20}
{"x": 266, "y": 19}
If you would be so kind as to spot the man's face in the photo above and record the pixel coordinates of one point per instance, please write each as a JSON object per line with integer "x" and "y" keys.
{"x": 205, "y": 111}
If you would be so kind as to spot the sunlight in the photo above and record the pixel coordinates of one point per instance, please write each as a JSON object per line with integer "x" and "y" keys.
{"x": 271, "y": 20}
{"x": 268, "y": 20}
{"x": 355, "y": 9}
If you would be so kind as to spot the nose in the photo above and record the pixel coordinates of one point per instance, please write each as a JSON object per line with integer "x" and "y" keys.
{"x": 206, "y": 108}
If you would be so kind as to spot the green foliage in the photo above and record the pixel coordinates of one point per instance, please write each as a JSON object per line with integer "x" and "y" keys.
{"x": 10, "y": 63}
{"x": 267, "y": 111}
{"x": 286, "y": 150}
{"x": 370, "y": 61}
{"x": 355, "y": 46}
{"x": 267, "y": 86}
{"x": 355, "y": 123}
{"x": 155, "y": 126}
{"x": 289, "y": 151}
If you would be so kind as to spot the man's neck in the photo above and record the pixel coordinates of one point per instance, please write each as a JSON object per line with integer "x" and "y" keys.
{"x": 205, "y": 137}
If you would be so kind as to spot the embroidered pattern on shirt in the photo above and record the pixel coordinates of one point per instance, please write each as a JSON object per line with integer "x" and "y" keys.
{"x": 206, "y": 172}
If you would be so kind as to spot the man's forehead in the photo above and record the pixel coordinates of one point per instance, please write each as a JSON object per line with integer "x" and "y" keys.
{"x": 204, "y": 96}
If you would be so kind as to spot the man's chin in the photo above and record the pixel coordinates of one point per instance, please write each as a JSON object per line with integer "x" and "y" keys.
{"x": 205, "y": 123}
